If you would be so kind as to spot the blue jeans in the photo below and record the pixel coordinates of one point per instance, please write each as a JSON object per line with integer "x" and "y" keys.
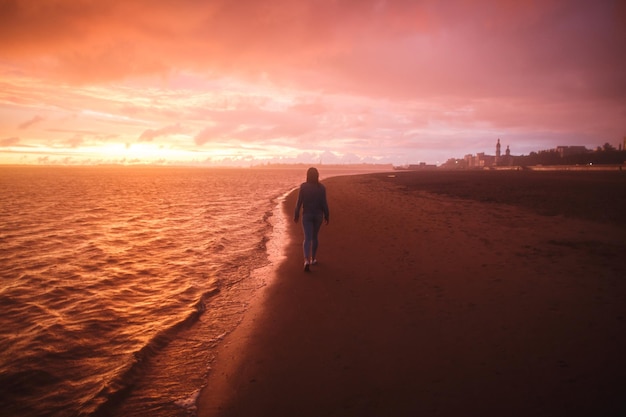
{"x": 311, "y": 224}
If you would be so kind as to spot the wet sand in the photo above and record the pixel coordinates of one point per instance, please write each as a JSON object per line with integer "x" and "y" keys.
{"x": 441, "y": 294}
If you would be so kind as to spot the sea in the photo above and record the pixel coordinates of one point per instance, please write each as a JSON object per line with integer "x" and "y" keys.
{"x": 117, "y": 283}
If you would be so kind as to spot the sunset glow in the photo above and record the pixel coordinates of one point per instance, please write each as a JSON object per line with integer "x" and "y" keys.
{"x": 248, "y": 82}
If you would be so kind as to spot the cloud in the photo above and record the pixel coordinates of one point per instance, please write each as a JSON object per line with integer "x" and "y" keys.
{"x": 9, "y": 141}
{"x": 368, "y": 77}
{"x": 210, "y": 134}
{"x": 309, "y": 106}
{"x": 392, "y": 48}
{"x": 150, "y": 134}
{"x": 76, "y": 141}
{"x": 29, "y": 123}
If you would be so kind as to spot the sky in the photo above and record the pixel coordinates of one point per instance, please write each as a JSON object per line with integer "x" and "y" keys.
{"x": 247, "y": 82}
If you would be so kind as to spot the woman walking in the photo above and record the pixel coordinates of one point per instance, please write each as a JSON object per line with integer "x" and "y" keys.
{"x": 312, "y": 200}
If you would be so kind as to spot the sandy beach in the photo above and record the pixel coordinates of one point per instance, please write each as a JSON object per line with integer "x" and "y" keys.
{"x": 441, "y": 294}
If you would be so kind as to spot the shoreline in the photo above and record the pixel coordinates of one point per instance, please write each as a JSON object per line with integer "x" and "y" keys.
{"x": 234, "y": 348}
{"x": 432, "y": 304}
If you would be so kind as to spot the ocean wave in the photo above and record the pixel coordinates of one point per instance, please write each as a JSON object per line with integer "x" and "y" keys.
{"x": 104, "y": 269}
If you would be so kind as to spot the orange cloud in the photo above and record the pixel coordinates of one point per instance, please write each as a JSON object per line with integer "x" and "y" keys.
{"x": 312, "y": 75}
{"x": 367, "y": 46}
{"x": 9, "y": 141}
{"x": 29, "y": 123}
{"x": 150, "y": 134}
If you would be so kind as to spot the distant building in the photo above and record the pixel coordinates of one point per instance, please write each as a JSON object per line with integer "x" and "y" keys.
{"x": 481, "y": 160}
{"x": 497, "y": 151}
{"x": 417, "y": 167}
{"x": 507, "y": 159}
{"x": 570, "y": 150}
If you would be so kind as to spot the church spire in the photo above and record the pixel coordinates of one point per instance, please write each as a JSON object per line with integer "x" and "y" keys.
{"x": 498, "y": 149}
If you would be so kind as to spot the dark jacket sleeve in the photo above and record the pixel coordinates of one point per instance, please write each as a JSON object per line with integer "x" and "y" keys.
{"x": 325, "y": 206}
{"x": 296, "y": 214}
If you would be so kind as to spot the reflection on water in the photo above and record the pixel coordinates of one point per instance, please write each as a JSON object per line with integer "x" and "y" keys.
{"x": 104, "y": 270}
